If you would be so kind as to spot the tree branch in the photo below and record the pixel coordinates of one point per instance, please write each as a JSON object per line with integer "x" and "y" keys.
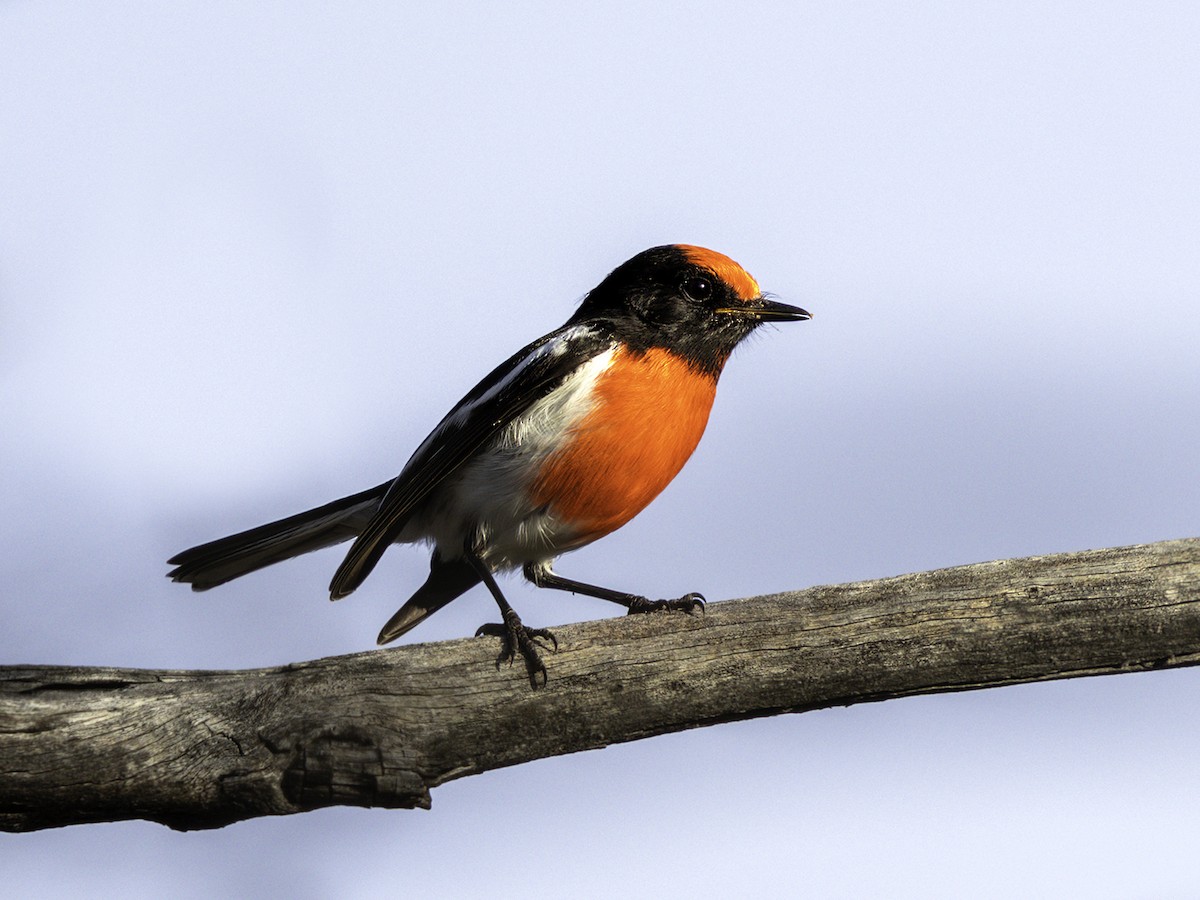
{"x": 203, "y": 749}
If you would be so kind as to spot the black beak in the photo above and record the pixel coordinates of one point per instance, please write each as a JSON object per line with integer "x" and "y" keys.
{"x": 768, "y": 311}
{"x": 773, "y": 311}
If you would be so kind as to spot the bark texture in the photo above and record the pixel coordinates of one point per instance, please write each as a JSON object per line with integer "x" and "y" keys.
{"x": 203, "y": 749}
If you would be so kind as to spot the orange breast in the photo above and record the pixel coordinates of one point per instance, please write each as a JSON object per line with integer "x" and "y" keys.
{"x": 649, "y": 414}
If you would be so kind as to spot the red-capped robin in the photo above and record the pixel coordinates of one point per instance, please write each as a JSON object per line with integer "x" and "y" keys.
{"x": 563, "y": 443}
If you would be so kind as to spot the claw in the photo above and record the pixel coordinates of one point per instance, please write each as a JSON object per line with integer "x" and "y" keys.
{"x": 688, "y": 603}
{"x": 543, "y": 634}
{"x": 517, "y": 638}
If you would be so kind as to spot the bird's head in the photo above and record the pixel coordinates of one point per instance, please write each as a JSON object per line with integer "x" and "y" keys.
{"x": 696, "y": 303}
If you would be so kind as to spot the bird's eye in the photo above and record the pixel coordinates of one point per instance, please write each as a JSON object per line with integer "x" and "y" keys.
{"x": 698, "y": 288}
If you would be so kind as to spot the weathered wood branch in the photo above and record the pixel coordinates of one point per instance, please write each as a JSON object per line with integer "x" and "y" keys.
{"x": 203, "y": 749}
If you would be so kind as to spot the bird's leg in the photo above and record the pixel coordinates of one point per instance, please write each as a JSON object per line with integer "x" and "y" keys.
{"x": 515, "y": 636}
{"x": 542, "y": 576}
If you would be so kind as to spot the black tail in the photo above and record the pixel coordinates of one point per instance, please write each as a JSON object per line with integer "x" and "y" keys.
{"x": 446, "y": 581}
{"x": 226, "y": 558}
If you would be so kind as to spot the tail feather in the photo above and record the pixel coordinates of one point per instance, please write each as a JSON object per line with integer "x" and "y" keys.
{"x": 446, "y": 581}
{"x": 360, "y": 560}
{"x": 224, "y": 559}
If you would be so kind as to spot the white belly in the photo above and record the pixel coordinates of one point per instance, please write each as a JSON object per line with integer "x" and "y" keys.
{"x": 488, "y": 499}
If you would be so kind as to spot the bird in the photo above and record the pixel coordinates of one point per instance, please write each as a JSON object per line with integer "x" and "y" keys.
{"x": 561, "y": 444}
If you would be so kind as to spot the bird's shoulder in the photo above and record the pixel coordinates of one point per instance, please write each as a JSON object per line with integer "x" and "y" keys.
{"x": 538, "y": 367}
{"x": 497, "y": 400}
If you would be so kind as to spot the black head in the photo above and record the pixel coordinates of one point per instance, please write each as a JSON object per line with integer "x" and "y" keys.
{"x": 697, "y": 303}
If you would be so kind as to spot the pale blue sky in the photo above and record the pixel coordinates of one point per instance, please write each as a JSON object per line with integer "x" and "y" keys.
{"x": 250, "y": 253}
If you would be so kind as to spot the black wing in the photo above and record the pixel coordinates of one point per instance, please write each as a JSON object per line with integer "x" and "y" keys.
{"x": 501, "y": 397}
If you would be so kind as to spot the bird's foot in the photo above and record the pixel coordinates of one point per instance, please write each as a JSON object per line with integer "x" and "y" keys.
{"x": 517, "y": 638}
{"x": 688, "y": 603}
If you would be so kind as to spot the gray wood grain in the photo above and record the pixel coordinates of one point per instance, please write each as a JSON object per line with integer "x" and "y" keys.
{"x": 202, "y": 749}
